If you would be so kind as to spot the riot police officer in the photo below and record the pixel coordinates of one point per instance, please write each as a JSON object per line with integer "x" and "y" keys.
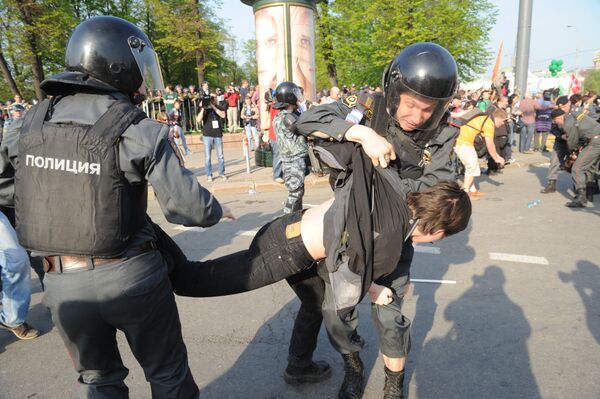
{"x": 292, "y": 147}
{"x": 583, "y": 134}
{"x": 85, "y": 158}
{"x": 418, "y": 85}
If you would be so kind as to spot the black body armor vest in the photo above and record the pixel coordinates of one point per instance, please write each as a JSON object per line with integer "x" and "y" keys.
{"x": 70, "y": 195}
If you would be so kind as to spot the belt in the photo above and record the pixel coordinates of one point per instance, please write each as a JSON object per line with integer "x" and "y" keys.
{"x": 69, "y": 263}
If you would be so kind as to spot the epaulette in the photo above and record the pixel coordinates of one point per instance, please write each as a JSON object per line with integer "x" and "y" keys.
{"x": 350, "y": 100}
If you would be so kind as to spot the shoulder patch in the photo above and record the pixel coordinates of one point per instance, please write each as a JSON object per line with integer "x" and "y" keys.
{"x": 350, "y": 101}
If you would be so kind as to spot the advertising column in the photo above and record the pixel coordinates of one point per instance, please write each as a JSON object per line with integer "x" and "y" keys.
{"x": 285, "y": 46}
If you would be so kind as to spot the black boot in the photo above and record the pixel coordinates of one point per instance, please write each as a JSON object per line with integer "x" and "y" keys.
{"x": 550, "y": 187}
{"x": 314, "y": 372}
{"x": 580, "y": 200}
{"x": 591, "y": 189}
{"x": 394, "y": 382}
{"x": 352, "y": 387}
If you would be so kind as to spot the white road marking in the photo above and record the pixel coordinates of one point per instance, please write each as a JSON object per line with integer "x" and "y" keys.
{"x": 418, "y": 280}
{"x": 185, "y": 228}
{"x": 248, "y": 233}
{"x": 538, "y": 260}
{"x": 427, "y": 250}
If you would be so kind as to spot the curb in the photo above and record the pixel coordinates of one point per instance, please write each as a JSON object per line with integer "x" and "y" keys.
{"x": 244, "y": 187}
{"x": 268, "y": 186}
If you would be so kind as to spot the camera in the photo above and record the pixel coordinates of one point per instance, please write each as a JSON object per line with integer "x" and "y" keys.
{"x": 204, "y": 100}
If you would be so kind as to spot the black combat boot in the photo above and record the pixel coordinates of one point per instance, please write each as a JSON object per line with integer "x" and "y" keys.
{"x": 580, "y": 200}
{"x": 314, "y": 372}
{"x": 550, "y": 187}
{"x": 394, "y": 382}
{"x": 591, "y": 188}
{"x": 352, "y": 387}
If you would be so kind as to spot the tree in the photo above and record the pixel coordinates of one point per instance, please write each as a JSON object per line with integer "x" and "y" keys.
{"x": 324, "y": 35}
{"x": 187, "y": 30}
{"x": 367, "y": 35}
{"x": 250, "y": 67}
{"x": 592, "y": 81}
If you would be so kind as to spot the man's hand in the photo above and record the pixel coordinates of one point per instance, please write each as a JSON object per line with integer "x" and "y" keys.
{"x": 227, "y": 214}
{"x": 376, "y": 147}
{"x": 380, "y": 295}
{"x": 500, "y": 161}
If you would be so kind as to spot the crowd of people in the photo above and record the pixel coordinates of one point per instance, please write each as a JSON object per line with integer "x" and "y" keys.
{"x": 116, "y": 270}
{"x": 504, "y": 121}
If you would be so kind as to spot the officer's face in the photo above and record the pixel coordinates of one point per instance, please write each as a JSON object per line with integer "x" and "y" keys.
{"x": 559, "y": 120}
{"x": 413, "y": 111}
{"x": 566, "y": 107}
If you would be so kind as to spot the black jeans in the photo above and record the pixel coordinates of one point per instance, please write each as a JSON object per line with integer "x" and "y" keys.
{"x": 270, "y": 258}
{"x": 310, "y": 289}
{"x": 134, "y": 296}
{"x": 501, "y": 143}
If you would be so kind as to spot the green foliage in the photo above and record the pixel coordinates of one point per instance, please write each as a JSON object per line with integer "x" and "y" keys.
{"x": 592, "y": 81}
{"x": 367, "y": 35}
{"x": 189, "y": 38}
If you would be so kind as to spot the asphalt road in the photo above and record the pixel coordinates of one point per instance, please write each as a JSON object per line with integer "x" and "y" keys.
{"x": 518, "y": 315}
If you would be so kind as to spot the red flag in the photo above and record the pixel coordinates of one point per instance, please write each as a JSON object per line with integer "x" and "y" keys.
{"x": 575, "y": 85}
{"x": 497, "y": 65}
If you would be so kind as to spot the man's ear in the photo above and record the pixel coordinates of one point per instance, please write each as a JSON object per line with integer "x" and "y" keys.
{"x": 438, "y": 235}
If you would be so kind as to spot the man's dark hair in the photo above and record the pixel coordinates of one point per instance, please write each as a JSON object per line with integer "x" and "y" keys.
{"x": 444, "y": 206}
{"x": 575, "y": 98}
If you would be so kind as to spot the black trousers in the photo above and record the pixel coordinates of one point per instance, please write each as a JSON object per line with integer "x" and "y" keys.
{"x": 134, "y": 296}
{"x": 310, "y": 289}
{"x": 270, "y": 258}
{"x": 502, "y": 144}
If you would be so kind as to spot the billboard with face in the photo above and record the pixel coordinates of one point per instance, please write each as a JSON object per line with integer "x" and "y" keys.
{"x": 285, "y": 50}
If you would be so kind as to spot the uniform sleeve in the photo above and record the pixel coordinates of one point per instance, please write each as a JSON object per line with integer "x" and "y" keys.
{"x": 440, "y": 167}
{"x": 8, "y": 163}
{"x": 327, "y": 118}
{"x": 572, "y": 132}
{"x": 182, "y": 199}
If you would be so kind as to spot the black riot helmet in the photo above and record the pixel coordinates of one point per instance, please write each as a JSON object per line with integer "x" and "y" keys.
{"x": 427, "y": 70}
{"x": 111, "y": 51}
{"x": 286, "y": 94}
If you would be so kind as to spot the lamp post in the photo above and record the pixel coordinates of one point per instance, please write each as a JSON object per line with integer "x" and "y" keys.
{"x": 523, "y": 41}
{"x": 576, "y": 46}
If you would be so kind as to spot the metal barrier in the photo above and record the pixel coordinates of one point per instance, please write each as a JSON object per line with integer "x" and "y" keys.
{"x": 189, "y": 110}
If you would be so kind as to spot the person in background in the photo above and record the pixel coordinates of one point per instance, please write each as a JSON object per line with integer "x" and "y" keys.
{"x": 211, "y": 118}
{"x": 250, "y": 118}
{"x": 233, "y": 97}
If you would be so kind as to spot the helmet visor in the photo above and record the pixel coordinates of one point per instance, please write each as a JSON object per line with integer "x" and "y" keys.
{"x": 147, "y": 62}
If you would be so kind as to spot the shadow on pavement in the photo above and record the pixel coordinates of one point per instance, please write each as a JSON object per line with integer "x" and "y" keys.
{"x": 475, "y": 360}
{"x": 586, "y": 280}
{"x": 426, "y": 306}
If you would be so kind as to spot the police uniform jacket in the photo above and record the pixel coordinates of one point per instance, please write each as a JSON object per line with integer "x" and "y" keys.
{"x": 423, "y": 158}
{"x": 579, "y": 130}
{"x": 145, "y": 155}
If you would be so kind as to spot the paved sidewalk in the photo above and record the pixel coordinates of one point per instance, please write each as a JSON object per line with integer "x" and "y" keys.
{"x": 260, "y": 178}
{"x": 239, "y": 181}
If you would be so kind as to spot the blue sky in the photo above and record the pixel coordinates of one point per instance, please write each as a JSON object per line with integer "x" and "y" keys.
{"x": 550, "y": 36}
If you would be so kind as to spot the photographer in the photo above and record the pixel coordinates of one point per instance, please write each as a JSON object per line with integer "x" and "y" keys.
{"x": 233, "y": 97}
{"x": 250, "y": 117}
{"x": 211, "y": 118}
